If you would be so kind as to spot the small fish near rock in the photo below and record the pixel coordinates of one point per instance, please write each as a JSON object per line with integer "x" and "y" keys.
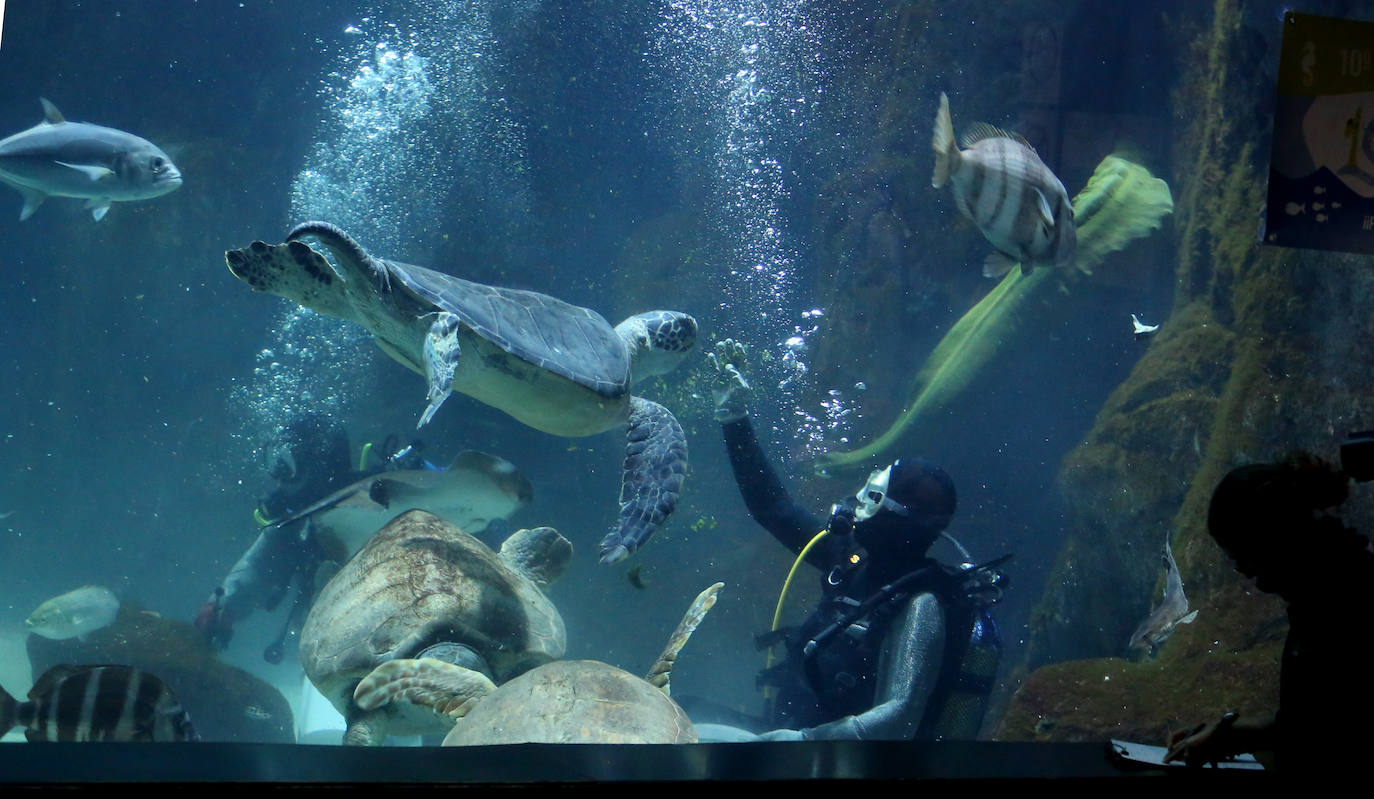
{"x": 74, "y": 614}
{"x": 97, "y": 703}
{"x": 1141, "y": 329}
{"x": 100, "y": 165}
{"x": 1015, "y": 200}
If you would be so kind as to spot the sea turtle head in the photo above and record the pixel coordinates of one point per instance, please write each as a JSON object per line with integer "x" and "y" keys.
{"x": 657, "y": 341}
{"x": 292, "y": 271}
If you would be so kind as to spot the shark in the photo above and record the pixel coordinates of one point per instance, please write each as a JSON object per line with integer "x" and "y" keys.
{"x": 100, "y": 165}
{"x": 1171, "y": 611}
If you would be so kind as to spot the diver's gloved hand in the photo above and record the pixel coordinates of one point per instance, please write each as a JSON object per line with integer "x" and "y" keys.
{"x": 712, "y": 733}
{"x": 729, "y": 390}
{"x": 213, "y": 622}
{"x": 781, "y": 735}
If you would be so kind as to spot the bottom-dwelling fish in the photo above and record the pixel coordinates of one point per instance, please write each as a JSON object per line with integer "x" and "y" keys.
{"x": 1171, "y": 611}
{"x": 97, "y": 703}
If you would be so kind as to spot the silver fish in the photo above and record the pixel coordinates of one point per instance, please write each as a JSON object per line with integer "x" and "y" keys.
{"x": 100, "y": 165}
{"x": 1015, "y": 200}
{"x": 74, "y": 613}
{"x": 1171, "y": 611}
{"x": 98, "y": 703}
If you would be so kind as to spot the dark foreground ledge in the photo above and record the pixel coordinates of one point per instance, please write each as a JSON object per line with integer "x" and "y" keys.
{"x": 541, "y": 765}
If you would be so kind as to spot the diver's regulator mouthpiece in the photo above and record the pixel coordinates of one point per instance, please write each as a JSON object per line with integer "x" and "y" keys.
{"x": 841, "y": 521}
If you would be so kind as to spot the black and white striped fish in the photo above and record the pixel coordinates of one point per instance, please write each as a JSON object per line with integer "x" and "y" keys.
{"x": 98, "y": 703}
{"x": 1002, "y": 185}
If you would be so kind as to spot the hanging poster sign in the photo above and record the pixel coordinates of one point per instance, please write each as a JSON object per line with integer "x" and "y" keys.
{"x": 1321, "y": 168}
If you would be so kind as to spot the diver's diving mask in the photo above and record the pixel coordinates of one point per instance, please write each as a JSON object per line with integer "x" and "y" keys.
{"x": 281, "y": 463}
{"x": 873, "y": 497}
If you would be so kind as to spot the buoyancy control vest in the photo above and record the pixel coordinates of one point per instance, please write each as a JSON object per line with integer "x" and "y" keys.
{"x": 831, "y": 665}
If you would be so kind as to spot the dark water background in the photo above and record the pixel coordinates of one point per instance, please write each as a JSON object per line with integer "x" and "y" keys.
{"x": 131, "y": 415}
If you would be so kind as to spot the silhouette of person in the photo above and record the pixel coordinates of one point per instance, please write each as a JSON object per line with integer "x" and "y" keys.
{"x": 1276, "y": 522}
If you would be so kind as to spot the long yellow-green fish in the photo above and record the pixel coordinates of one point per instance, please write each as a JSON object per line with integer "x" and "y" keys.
{"x": 1122, "y": 202}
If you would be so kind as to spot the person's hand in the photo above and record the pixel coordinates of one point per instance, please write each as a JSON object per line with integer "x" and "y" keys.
{"x": 1205, "y": 743}
{"x": 729, "y": 390}
{"x": 781, "y": 735}
{"x": 213, "y": 623}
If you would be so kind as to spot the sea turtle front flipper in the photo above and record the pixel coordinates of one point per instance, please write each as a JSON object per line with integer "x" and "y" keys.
{"x": 661, "y": 672}
{"x": 365, "y": 729}
{"x": 441, "y": 361}
{"x": 655, "y": 465}
{"x": 446, "y": 689}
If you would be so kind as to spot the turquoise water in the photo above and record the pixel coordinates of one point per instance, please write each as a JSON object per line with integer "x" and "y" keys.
{"x": 762, "y": 166}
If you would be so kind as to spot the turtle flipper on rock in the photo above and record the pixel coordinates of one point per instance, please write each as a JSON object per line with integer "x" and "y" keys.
{"x": 551, "y": 365}
{"x": 564, "y": 701}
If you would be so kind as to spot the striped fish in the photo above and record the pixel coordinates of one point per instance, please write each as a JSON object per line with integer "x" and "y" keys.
{"x": 97, "y": 703}
{"x": 1002, "y": 185}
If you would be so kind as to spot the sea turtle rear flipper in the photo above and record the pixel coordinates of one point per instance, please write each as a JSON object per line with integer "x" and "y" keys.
{"x": 655, "y": 465}
{"x": 446, "y": 689}
{"x": 441, "y": 361}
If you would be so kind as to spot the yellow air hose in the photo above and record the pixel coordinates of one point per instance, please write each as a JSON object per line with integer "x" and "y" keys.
{"x": 769, "y": 691}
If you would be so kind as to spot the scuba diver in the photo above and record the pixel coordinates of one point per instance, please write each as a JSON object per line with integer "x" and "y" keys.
{"x": 901, "y": 647}
{"x": 310, "y": 458}
{"x": 1277, "y": 523}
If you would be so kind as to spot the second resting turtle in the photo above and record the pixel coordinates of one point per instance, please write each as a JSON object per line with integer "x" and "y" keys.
{"x": 563, "y": 701}
{"x": 554, "y": 366}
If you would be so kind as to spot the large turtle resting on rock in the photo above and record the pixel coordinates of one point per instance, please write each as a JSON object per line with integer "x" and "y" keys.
{"x": 421, "y": 587}
{"x": 565, "y": 701}
{"x": 553, "y": 366}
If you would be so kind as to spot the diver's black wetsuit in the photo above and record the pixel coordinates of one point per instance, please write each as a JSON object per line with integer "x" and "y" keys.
{"x": 768, "y": 501}
{"x": 878, "y": 685}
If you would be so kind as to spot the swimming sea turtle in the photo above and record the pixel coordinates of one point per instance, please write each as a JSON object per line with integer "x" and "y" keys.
{"x": 421, "y": 587}
{"x": 565, "y": 701}
{"x": 554, "y": 366}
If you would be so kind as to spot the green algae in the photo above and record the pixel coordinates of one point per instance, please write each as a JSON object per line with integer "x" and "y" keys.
{"x": 1254, "y": 361}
